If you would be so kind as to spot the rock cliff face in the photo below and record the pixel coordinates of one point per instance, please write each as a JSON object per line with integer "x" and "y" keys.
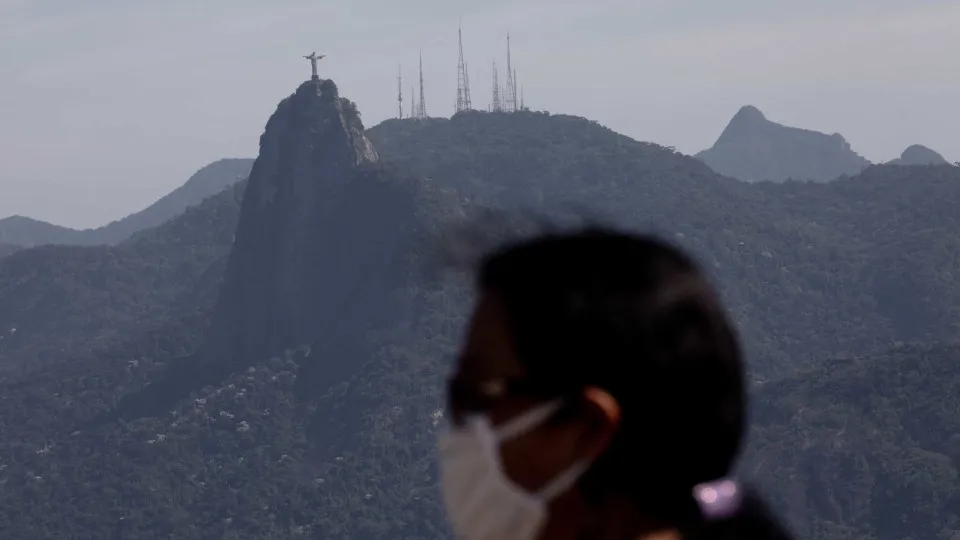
{"x": 917, "y": 154}
{"x": 752, "y": 148}
{"x": 321, "y": 243}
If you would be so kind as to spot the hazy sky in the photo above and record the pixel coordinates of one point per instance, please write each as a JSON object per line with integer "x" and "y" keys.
{"x": 105, "y": 105}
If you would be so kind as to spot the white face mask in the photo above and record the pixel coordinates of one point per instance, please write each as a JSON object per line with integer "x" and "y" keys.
{"x": 482, "y": 502}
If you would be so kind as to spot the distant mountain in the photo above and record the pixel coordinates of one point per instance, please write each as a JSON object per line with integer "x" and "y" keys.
{"x": 752, "y": 148}
{"x": 273, "y": 368}
{"x": 25, "y": 232}
{"x": 917, "y": 154}
{"x": 211, "y": 179}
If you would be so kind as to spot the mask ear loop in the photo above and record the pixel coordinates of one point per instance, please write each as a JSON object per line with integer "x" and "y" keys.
{"x": 527, "y": 421}
{"x": 563, "y": 482}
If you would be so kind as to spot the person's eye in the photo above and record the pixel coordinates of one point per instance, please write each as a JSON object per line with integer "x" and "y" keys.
{"x": 493, "y": 388}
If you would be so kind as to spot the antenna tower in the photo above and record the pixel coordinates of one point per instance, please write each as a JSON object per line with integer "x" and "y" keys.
{"x": 497, "y": 105}
{"x": 399, "y": 94}
{"x": 466, "y": 84}
{"x": 422, "y": 108}
{"x": 463, "y": 84}
{"x": 510, "y": 98}
{"x": 413, "y": 105}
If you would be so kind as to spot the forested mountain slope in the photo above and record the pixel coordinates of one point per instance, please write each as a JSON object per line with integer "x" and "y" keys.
{"x": 865, "y": 447}
{"x": 810, "y": 270}
{"x": 61, "y": 303}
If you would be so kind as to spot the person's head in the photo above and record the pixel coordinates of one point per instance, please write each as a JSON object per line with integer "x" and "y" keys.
{"x": 601, "y": 370}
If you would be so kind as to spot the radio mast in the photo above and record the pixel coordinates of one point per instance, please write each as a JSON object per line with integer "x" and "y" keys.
{"x": 399, "y": 94}
{"x": 463, "y": 83}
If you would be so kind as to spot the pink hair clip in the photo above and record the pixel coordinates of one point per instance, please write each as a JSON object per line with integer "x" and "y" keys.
{"x": 719, "y": 499}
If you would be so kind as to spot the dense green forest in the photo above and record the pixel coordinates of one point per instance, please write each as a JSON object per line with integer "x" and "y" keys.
{"x": 864, "y": 444}
{"x": 109, "y": 430}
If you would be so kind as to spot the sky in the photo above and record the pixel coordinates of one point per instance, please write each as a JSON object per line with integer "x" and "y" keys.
{"x": 106, "y": 105}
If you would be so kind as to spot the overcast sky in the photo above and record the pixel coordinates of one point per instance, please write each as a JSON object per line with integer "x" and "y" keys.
{"x": 105, "y": 105}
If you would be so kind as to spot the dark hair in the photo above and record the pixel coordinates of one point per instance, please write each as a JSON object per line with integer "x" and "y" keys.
{"x": 635, "y": 316}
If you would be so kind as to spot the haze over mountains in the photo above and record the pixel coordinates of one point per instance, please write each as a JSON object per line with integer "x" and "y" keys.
{"x": 269, "y": 362}
{"x": 209, "y": 180}
{"x": 753, "y": 148}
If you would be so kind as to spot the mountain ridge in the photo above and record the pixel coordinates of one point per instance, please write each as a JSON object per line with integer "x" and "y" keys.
{"x": 208, "y": 180}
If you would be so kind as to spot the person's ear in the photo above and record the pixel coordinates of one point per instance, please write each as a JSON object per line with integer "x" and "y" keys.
{"x": 602, "y": 417}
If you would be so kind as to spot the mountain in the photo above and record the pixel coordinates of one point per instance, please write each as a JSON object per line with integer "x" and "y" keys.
{"x": 917, "y": 154}
{"x": 273, "y": 367}
{"x": 211, "y": 179}
{"x": 304, "y": 234}
{"x": 317, "y": 180}
{"x": 753, "y": 148}
{"x": 809, "y": 270}
{"x": 65, "y": 303}
{"x": 322, "y": 246}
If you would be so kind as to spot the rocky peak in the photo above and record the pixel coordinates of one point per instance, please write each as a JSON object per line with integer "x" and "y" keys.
{"x": 753, "y": 148}
{"x": 917, "y": 154}
{"x": 320, "y": 222}
{"x": 318, "y": 114}
{"x": 747, "y": 121}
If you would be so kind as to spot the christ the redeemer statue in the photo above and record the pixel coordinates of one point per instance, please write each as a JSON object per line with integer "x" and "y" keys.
{"x": 313, "y": 63}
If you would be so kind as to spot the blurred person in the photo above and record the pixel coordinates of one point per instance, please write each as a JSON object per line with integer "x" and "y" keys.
{"x": 599, "y": 395}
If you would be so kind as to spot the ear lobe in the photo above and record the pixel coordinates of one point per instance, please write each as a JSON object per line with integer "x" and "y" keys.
{"x": 604, "y": 418}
